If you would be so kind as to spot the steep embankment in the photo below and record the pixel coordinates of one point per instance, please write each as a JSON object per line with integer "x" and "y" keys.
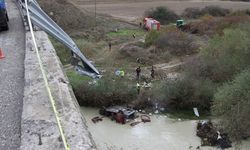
{"x": 78, "y": 22}
{"x": 66, "y": 14}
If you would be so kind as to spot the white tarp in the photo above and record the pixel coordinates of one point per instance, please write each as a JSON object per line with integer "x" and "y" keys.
{"x": 196, "y": 112}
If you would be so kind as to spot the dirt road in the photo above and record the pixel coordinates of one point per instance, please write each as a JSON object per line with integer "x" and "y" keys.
{"x": 132, "y": 9}
{"x": 11, "y": 80}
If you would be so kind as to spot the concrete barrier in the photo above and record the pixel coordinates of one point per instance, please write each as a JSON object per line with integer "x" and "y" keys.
{"x": 39, "y": 130}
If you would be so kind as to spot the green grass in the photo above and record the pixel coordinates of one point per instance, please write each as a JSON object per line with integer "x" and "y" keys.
{"x": 126, "y": 32}
{"x": 62, "y": 51}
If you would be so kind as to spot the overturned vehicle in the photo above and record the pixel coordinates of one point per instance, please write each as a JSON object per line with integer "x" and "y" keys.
{"x": 118, "y": 113}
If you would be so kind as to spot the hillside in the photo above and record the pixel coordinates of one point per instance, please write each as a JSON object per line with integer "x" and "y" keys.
{"x": 78, "y": 22}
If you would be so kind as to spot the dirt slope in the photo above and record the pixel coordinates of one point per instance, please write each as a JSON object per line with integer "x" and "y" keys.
{"x": 66, "y": 14}
{"x": 79, "y": 22}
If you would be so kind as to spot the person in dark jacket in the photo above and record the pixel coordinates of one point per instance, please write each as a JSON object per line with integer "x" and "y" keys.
{"x": 152, "y": 72}
{"x": 109, "y": 46}
{"x": 138, "y": 72}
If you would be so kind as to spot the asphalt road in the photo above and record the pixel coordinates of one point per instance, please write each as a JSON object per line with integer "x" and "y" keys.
{"x": 11, "y": 80}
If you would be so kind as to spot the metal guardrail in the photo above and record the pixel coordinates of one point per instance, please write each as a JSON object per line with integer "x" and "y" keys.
{"x": 44, "y": 22}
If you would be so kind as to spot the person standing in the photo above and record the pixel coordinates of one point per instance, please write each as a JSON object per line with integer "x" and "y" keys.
{"x": 138, "y": 87}
{"x": 109, "y": 45}
{"x": 152, "y": 72}
{"x": 138, "y": 72}
{"x": 122, "y": 73}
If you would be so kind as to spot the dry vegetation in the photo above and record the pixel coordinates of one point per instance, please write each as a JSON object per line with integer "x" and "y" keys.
{"x": 72, "y": 18}
{"x": 210, "y": 26}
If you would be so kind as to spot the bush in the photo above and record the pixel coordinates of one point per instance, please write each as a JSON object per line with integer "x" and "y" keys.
{"x": 151, "y": 37}
{"x": 192, "y": 12}
{"x": 187, "y": 93}
{"x": 228, "y": 54}
{"x": 215, "y": 11}
{"x": 195, "y": 13}
{"x": 241, "y": 12}
{"x": 232, "y": 103}
{"x": 105, "y": 92}
{"x": 177, "y": 43}
{"x": 210, "y": 26}
{"x": 162, "y": 14}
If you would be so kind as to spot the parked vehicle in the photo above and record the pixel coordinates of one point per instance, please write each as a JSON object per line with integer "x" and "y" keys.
{"x": 3, "y": 16}
{"x": 181, "y": 25}
{"x": 151, "y": 24}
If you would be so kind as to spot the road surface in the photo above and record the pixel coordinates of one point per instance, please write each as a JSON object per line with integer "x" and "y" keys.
{"x": 11, "y": 80}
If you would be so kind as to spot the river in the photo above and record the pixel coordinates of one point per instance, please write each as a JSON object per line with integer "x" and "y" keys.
{"x": 162, "y": 133}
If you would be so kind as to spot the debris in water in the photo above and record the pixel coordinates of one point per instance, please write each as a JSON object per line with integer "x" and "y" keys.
{"x": 145, "y": 118}
{"x": 162, "y": 109}
{"x": 96, "y": 119}
{"x": 211, "y": 136}
{"x": 157, "y": 112}
{"x": 135, "y": 123}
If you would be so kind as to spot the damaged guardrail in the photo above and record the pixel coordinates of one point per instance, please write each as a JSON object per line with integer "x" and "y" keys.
{"x": 43, "y": 21}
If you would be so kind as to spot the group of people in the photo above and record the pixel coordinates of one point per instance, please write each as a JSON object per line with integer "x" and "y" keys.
{"x": 138, "y": 73}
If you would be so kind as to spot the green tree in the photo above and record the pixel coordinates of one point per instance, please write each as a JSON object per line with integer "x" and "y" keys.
{"x": 229, "y": 54}
{"x": 151, "y": 37}
{"x": 188, "y": 92}
{"x": 232, "y": 103}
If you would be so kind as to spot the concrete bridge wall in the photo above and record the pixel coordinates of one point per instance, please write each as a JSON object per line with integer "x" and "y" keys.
{"x": 39, "y": 130}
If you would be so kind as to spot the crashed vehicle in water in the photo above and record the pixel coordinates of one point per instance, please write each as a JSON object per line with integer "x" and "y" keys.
{"x": 119, "y": 113}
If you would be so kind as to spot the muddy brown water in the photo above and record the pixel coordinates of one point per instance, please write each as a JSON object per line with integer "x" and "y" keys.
{"x": 162, "y": 133}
